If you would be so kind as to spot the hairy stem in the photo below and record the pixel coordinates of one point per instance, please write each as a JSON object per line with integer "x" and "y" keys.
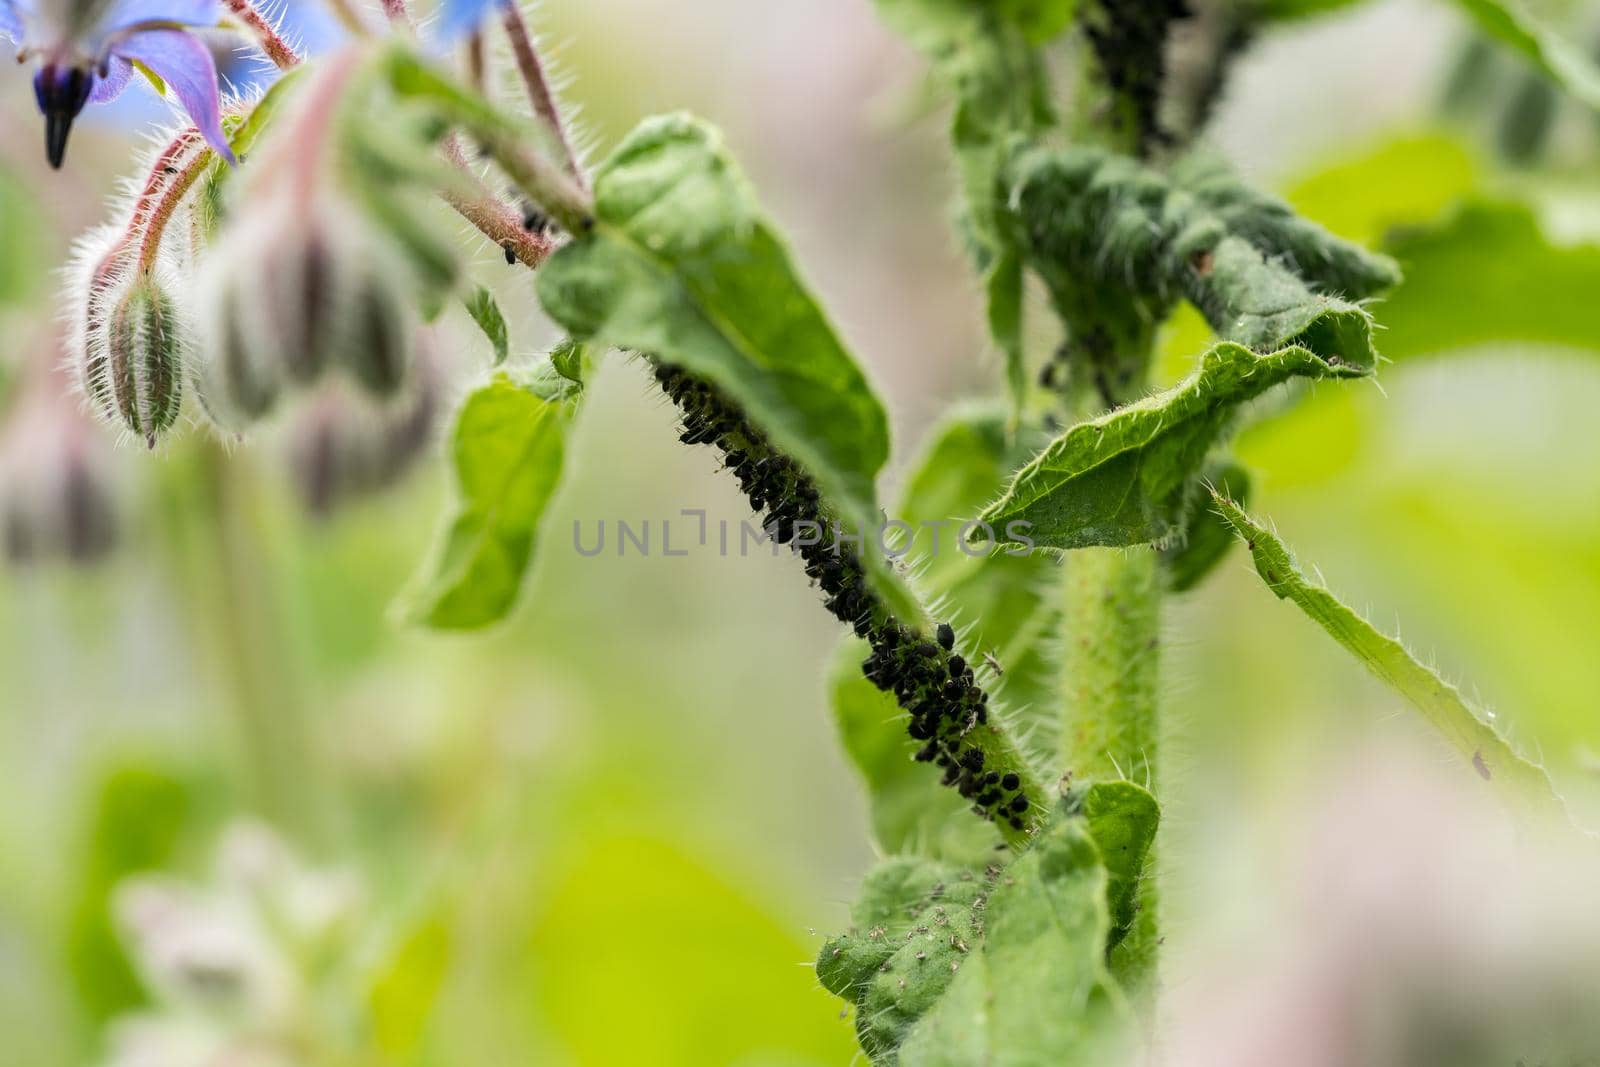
{"x": 267, "y": 38}
{"x": 540, "y": 96}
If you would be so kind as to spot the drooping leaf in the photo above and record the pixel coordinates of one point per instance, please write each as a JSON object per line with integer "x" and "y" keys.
{"x": 1082, "y": 213}
{"x": 1127, "y": 478}
{"x": 1564, "y": 61}
{"x": 485, "y": 311}
{"x": 681, "y": 264}
{"x": 1003, "y": 606}
{"x": 1207, "y": 538}
{"x": 1489, "y": 275}
{"x": 507, "y": 448}
{"x": 1467, "y": 729}
{"x": 1008, "y": 967}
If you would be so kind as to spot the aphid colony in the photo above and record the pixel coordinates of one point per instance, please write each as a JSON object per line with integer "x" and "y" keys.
{"x": 928, "y": 678}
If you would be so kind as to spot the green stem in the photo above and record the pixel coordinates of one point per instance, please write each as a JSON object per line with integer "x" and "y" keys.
{"x": 1113, "y": 619}
{"x": 242, "y": 618}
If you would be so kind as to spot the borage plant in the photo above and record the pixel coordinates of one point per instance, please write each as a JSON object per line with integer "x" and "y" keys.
{"x": 999, "y": 689}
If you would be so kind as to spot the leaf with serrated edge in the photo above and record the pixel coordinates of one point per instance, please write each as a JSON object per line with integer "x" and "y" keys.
{"x": 508, "y": 448}
{"x": 1126, "y": 478}
{"x": 1467, "y": 730}
{"x": 951, "y": 966}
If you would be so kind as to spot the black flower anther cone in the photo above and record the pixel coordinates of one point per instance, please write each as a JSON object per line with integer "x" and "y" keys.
{"x": 62, "y": 91}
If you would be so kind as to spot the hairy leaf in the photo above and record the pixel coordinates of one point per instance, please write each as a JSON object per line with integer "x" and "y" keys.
{"x": 507, "y": 448}
{"x": 1082, "y": 213}
{"x": 481, "y": 305}
{"x": 1467, "y": 729}
{"x": 1563, "y": 61}
{"x": 1001, "y": 605}
{"x": 1008, "y": 967}
{"x": 1489, "y": 275}
{"x": 1122, "y": 820}
{"x": 1322, "y": 261}
{"x": 1207, "y": 538}
{"x": 1127, "y": 477}
{"x": 680, "y": 264}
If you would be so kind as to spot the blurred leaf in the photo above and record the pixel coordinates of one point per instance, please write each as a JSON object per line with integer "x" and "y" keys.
{"x": 1463, "y": 726}
{"x": 1207, "y": 538}
{"x": 142, "y": 816}
{"x": 681, "y": 265}
{"x": 707, "y": 975}
{"x": 1002, "y": 605}
{"x": 1128, "y": 477}
{"x": 1565, "y": 62}
{"x": 508, "y": 449}
{"x": 1004, "y": 968}
{"x": 1288, "y": 10}
{"x": 1488, "y": 274}
{"x": 485, "y": 312}
{"x": 985, "y": 54}
{"x": 570, "y": 360}
{"x": 404, "y": 990}
{"x": 1403, "y": 181}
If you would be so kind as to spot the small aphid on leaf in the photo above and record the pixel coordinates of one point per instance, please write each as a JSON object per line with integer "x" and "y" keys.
{"x": 994, "y": 664}
{"x": 947, "y": 636}
{"x": 1480, "y": 766}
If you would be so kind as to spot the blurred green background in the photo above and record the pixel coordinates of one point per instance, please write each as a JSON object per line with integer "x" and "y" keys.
{"x": 609, "y": 829}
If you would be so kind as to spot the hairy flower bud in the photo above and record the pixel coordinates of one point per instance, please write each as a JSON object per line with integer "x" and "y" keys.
{"x": 133, "y": 342}
{"x": 345, "y": 445}
{"x": 55, "y": 499}
{"x": 289, "y": 295}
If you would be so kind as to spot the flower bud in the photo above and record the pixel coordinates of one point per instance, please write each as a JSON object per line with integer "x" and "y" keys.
{"x": 345, "y": 445}
{"x": 288, "y": 295}
{"x": 55, "y": 499}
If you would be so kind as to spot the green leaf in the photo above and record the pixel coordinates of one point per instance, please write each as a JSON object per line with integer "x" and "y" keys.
{"x": 1004, "y": 606}
{"x": 1489, "y": 275}
{"x": 1127, "y": 477}
{"x": 1007, "y": 967}
{"x": 508, "y": 448}
{"x": 1566, "y": 63}
{"x": 680, "y": 264}
{"x": 571, "y": 360}
{"x": 1207, "y": 538}
{"x": 1122, "y": 820}
{"x": 1311, "y": 253}
{"x": 1082, "y": 213}
{"x": 1466, "y": 728}
{"x": 405, "y": 988}
{"x": 142, "y": 816}
{"x": 485, "y": 312}
{"x": 985, "y": 53}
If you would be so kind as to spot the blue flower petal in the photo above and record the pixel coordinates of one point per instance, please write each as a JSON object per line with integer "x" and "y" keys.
{"x": 457, "y": 18}
{"x": 118, "y": 72}
{"x": 184, "y": 62}
{"x": 124, "y": 14}
{"x": 11, "y": 27}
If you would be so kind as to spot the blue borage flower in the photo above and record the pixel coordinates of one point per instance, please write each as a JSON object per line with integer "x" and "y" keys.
{"x": 87, "y": 50}
{"x": 457, "y": 18}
